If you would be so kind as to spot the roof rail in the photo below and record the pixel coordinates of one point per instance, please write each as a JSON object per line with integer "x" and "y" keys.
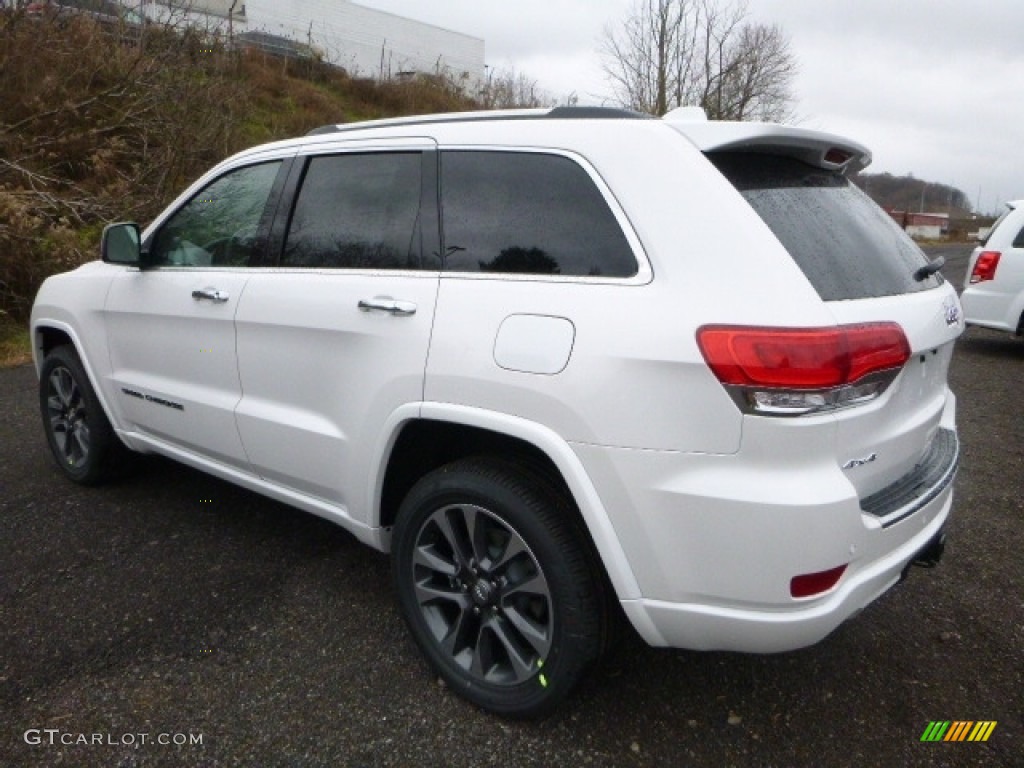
{"x": 600, "y": 113}
{"x": 333, "y": 128}
{"x": 558, "y": 113}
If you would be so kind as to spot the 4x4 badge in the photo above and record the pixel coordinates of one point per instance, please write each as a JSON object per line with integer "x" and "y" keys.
{"x": 854, "y": 463}
{"x": 952, "y": 309}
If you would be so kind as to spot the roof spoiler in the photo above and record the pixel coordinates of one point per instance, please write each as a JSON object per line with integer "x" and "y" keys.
{"x": 817, "y": 148}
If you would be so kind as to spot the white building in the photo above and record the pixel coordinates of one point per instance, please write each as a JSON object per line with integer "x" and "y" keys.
{"x": 364, "y": 41}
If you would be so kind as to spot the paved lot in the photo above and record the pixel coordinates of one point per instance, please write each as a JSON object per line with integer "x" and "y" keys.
{"x": 173, "y": 603}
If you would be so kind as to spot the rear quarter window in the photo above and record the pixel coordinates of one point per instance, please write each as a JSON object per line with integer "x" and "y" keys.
{"x": 1018, "y": 240}
{"x": 995, "y": 226}
{"x": 846, "y": 246}
{"x": 528, "y": 213}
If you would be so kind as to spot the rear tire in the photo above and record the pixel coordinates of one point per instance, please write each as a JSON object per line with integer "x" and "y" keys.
{"x": 82, "y": 442}
{"x": 498, "y": 585}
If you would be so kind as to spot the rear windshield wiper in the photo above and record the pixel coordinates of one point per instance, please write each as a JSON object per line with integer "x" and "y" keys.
{"x": 929, "y": 269}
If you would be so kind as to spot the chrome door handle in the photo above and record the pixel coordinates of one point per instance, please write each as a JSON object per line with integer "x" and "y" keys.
{"x": 218, "y": 297}
{"x": 389, "y": 305}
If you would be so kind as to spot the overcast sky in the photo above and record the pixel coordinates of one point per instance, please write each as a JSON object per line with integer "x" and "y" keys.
{"x": 934, "y": 87}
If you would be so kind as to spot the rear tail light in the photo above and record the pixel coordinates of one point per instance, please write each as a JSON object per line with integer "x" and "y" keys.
{"x": 810, "y": 584}
{"x": 985, "y": 266}
{"x": 796, "y": 371}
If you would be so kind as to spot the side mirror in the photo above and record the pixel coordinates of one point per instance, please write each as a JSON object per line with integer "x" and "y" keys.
{"x": 121, "y": 244}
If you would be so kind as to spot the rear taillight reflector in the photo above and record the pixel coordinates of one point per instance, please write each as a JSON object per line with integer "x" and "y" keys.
{"x": 801, "y": 358}
{"x": 792, "y": 371}
{"x": 810, "y": 584}
{"x": 985, "y": 266}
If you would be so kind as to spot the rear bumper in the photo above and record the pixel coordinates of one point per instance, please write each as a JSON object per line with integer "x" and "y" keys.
{"x": 912, "y": 492}
{"x": 989, "y": 306}
{"x": 715, "y": 542}
{"x": 721, "y": 627}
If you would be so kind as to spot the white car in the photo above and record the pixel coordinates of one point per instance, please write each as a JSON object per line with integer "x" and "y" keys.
{"x": 563, "y": 364}
{"x": 993, "y": 295}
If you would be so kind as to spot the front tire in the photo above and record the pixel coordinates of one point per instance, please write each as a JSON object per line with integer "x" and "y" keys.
{"x": 497, "y": 585}
{"x": 81, "y": 439}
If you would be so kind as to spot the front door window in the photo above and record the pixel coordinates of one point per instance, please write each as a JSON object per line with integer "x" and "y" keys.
{"x": 221, "y": 226}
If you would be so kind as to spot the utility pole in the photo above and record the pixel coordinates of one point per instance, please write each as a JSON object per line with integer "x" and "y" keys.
{"x": 231, "y": 24}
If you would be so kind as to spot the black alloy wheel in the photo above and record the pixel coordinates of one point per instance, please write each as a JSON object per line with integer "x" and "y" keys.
{"x": 81, "y": 439}
{"x": 498, "y": 585}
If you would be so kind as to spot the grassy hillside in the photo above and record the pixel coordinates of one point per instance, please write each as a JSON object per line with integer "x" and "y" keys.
{"x": 99, "y": 124}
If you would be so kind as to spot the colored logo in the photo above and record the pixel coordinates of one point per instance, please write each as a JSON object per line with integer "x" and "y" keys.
{"x": 958, "y": 730}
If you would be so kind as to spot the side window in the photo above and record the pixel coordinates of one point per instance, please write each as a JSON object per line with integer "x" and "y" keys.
{"x": 357, "y": 211}
{"x": 528, "y": 213}
{"x": 1018, "y": 241}
{"x": 995, "y": 225}
{"x": 220, "y": 226}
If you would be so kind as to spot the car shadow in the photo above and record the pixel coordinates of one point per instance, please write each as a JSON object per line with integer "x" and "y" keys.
{"x": 993, "y": 343}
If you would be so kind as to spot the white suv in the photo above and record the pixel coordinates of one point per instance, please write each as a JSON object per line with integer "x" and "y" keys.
{"x": 563, "y": 365}
{"x": 993, "y": 294}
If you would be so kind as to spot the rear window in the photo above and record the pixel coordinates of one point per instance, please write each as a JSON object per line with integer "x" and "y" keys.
{"x": 846, "y": 245}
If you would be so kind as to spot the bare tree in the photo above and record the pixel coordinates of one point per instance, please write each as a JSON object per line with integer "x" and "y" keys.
{"x": 670, "y": 53}
{"x": 120, "y": 123}
{"x": 509, "y": 89}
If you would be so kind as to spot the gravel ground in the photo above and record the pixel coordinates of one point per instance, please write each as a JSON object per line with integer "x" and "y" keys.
{"x": 172, "y": 603}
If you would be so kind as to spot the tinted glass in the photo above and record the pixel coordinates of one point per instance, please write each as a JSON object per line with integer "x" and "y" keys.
{"x": 995, "y": 225}
{"x": 528, "y": 213}
{"x": 847, "y": 246}
{"x": 1018, "y": 241}
{"x": 357, "y": 212}
{"x": 221, "y": 225}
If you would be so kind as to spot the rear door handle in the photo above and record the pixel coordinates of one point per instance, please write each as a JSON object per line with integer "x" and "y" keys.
{"x": 389, "y": 305}
{"x": 211, "y": 294}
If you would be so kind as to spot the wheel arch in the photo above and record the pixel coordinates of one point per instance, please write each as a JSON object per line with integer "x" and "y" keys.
{"x": 441, "y": 433}
{"x": 48, "y": 334}
{"x": 1015, "y": 313}
{"x": 48, "y": 337}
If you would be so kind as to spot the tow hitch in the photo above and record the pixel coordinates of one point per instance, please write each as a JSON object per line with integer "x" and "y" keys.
{"x": 929, "y": 555}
